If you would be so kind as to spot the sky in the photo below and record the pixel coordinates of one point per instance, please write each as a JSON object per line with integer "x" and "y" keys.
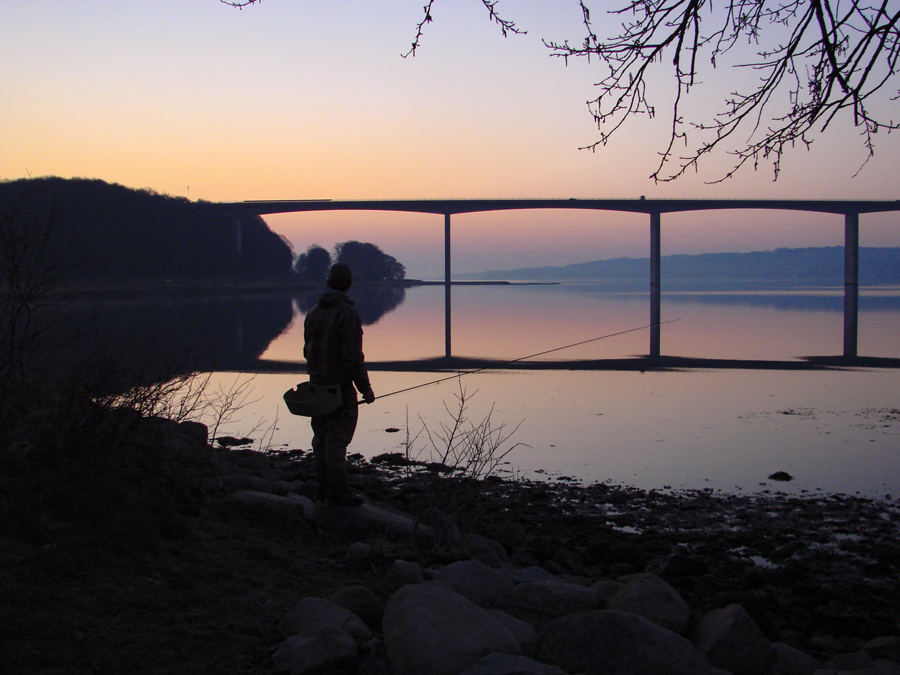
{"x": 292, "y": 99}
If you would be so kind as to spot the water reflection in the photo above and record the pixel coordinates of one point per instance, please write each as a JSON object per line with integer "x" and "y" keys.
{"x": 144, "y": 339}
{"x": 589, "y": 411}
{"x": 492, "y": 324}
{"x": 371, "y": 301}
{"x": 210, "y": 332}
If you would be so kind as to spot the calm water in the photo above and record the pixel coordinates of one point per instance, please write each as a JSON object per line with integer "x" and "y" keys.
{"x": 835, "y": 431}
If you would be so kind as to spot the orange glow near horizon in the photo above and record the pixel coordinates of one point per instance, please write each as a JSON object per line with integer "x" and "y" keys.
{"x": 210, "y": 103}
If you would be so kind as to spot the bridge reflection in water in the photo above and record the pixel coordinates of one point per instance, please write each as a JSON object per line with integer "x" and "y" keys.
{"x": 219, "y": 333}
{"x": 850, "y": 209}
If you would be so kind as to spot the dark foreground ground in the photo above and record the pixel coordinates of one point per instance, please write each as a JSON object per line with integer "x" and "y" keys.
{"x": 135, "y": 564}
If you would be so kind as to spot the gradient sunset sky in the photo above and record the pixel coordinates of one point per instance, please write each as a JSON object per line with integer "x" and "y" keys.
{"x": 296, "y": 99}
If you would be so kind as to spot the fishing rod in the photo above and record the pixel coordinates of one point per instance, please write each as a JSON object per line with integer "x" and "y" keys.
{"x": 521, "y": 358}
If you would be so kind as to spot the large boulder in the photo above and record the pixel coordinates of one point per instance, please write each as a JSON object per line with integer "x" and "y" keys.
{"x": 539, "y": 602}
{"x": 430, "y": 630}
{"x": 264, "y": 503}
{"x": 197, "y": 431}
{"x": 651, "y": 597}
{"x": 475, "y": 581}
{"x": 730, "y": 639}
{"x": 321, "y": 650}
{"x": 312, "y": 613}
{"x": 885, "y": 647}
{"x": 533, "y": 573}
{"x": 851, "y": 661}
{"x": 507, "y": 664}
{"x": 510, "y": 534}
{"x": 362, "y": 602}
{"x": 488, "y": 551}
{"x": 523, "y": 631}
{"x": 373, "y": 520}
{"x": 606, "y": 641}
{"x": 792, "y": 661}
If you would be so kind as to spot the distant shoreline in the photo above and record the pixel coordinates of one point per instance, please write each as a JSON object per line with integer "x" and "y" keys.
{"x": 483, "y": 282}
{"x": 171, "y": 287}
{"x": 144, "y": 288}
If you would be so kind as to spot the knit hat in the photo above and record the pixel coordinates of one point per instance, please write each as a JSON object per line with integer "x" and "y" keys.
{"x": 339, "y": 277}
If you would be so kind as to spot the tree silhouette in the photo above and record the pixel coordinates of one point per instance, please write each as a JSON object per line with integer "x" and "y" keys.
{"x": 369, "y": 262}
{"x": 313, "y": 265}
{"x": 114, "y": 232}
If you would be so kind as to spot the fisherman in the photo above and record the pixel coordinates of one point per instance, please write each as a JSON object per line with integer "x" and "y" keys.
{"x": 332, "y": 334}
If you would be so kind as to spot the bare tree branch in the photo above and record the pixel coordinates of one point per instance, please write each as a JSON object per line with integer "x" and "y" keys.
{"x": 817, "y": 61}
{"x": 836, "y": 56}
{"x": 506, "y": 27}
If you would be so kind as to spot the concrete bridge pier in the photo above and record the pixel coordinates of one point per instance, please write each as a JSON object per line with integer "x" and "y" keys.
{"x": 851, "y": 284}
{"x": 237, "y": 223}
{"x": 447, "y": 351}
{"x": 238, "y": 233}
{"x": 655, "y": 290}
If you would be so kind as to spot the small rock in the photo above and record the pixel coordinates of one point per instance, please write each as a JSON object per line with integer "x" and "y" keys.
{"x": 781, "y": 475}
{"x": 242, "y": 481}
{"x": 607, "y": 588}
{"x": 486, "y": 550}
{"x": 510, "y": 534}
{"x": 533, "y": 573}
{"x": 403, "y": 572}
{"x": 265, "y": 502}
{"x": 569, "y": 559}
{"x": 360, "y": 551}
{"x": 825, "y": 643}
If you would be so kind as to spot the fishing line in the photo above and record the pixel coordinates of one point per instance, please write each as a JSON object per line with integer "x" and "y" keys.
{"x": 521, "y": 358}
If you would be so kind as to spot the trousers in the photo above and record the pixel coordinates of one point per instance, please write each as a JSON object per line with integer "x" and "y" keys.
{"x": 332, "y": 433}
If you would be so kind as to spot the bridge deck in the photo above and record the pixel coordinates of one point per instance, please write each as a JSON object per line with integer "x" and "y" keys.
{"x": 454, "y": 206}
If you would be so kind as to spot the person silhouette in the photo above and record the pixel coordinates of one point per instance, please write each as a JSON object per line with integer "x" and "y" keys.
{"x": 333, "y": 335}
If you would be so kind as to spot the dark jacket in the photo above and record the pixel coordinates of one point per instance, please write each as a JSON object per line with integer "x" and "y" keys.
{"x": 332, "y": 333}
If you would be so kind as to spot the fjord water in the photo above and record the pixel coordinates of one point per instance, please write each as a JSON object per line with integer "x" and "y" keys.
{"x": 720, "y": 429}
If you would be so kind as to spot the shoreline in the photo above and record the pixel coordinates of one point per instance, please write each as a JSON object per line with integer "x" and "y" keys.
{"x": 94, "y": 288}
{"x": 185, "y": 577}
{"x": 174, "y": 287}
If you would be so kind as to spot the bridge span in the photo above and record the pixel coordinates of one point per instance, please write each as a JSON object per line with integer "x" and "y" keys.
{"x": 850, "y": 209}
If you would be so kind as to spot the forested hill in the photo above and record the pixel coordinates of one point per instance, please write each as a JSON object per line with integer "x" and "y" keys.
{"x": 809, "y": 266}
{"x": 99, "y": 230}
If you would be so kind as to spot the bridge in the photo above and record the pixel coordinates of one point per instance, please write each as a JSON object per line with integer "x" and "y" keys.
{"x": 654, "y": 208}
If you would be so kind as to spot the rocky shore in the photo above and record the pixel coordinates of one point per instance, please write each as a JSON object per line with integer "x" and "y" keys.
{"x": 605, "y": 579}
{"x": 438, "y": 574}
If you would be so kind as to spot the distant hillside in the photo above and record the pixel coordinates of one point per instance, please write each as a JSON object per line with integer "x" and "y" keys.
{"x": 811, "y": 266}
{"x": 100, "y": 230}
